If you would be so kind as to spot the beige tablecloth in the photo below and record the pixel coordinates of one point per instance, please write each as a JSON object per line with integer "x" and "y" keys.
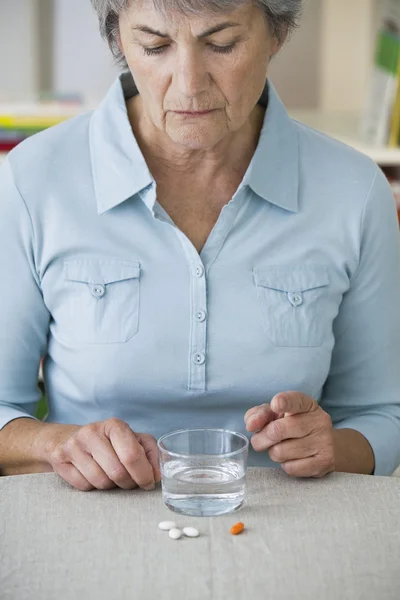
{"x": 332, "y": 539}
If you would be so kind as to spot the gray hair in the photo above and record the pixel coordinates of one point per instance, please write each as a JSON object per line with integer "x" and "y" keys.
{"x": 283, "y": 16}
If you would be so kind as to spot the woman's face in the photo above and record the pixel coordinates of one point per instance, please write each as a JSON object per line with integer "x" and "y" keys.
{"x": 184, "y": 65}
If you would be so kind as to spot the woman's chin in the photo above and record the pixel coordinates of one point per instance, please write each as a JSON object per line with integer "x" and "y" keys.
{"x": 195, "y": 138}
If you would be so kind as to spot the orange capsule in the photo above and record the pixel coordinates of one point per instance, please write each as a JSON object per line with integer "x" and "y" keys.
{"x": 238, "y": 528}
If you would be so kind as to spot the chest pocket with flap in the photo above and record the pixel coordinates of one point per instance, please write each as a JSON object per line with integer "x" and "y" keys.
{"x": 293, "y": 299}
{"x": 103, "y": 300}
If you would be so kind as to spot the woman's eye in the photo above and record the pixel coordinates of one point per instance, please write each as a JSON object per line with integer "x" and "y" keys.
{"x": 223, "y": 49}
{"x": 217, "y": 49}
{"x": 154, "y": 51}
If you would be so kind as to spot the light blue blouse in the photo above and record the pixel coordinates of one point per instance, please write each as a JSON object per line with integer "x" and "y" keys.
{"x": 297, "y": 287}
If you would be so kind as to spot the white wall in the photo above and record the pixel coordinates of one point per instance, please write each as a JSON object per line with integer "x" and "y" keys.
{"x": 82, "y": 60}
{"x": 295, "y": 72}
{"x": 348, "y": 40}
{"x": 328, "y": 62}
{"x": 18, "y": 50}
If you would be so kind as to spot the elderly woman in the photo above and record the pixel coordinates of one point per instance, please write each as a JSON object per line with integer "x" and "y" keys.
{"x": 189, "y": 256}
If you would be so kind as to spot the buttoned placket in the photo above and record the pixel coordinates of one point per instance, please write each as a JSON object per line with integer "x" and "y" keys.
{"x": 199, "y": 267}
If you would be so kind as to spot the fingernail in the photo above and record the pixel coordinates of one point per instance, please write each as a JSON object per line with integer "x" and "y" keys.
{"x": 252, "y": 419}
{"x": 150, "y": 487}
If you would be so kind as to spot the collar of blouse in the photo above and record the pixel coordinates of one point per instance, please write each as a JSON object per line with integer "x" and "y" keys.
{"x": 120, "y": 171}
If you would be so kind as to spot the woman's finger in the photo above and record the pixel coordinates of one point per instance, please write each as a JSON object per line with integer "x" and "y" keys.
{"x": 286, "y": 428}
{"x": 90, "y": 470}
{"x": 293, "y": 449}
{"x": 258, "y": 417}
{"x": 317, "y": 466}
{"x": 149, "y": 444}
{"x": 106, "y": 457}
{"x": 71, "y": 475}
{"x": 131, "y": 453}
{"x": 252, "y": 411}
{"x": 293, "y": 403}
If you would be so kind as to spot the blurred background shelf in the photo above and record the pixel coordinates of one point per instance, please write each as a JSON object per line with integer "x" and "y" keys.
{"x": 345, "y": 126}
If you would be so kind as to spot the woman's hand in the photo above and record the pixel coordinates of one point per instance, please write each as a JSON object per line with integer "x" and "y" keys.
{"x": 103, "y": 455}
{"x": 296, "y": 432}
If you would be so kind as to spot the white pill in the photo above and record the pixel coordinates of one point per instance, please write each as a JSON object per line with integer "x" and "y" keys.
{"x": 167, "y": 525}
{"x": 191, "y": 532}
{"x": 175, "y": 534}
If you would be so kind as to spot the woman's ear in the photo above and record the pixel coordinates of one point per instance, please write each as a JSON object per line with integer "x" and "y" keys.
{"x": 277, "y": 44}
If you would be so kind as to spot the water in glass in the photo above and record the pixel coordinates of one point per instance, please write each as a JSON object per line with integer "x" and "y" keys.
{"x": 205, "y": 485}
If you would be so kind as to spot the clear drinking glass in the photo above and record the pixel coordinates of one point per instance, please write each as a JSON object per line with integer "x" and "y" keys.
{"x": 203, "y": 471}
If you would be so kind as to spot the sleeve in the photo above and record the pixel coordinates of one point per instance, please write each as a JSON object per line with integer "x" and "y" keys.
{"x": 24, "y": 318}
{"x": 362, "y": 391}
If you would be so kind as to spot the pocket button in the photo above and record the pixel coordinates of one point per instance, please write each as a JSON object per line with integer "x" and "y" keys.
{"x": 98, "y": 290}
{"x": 295, "y": 299}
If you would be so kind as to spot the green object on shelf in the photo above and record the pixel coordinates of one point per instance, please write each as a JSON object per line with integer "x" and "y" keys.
{"x": 41, "y": 410}
{"x": 387, "y": 57}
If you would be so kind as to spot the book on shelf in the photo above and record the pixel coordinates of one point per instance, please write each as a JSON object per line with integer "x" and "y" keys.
{"x": 393, "y": 176}
{"x": 20, "y": 121}
{"x": 381, "y": 122}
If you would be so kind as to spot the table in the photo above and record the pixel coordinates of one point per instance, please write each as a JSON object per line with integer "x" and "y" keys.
{"x": 336, "y": 538}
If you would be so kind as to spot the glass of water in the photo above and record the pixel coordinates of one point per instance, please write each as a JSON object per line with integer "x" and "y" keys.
{"x": 203, "y": 471}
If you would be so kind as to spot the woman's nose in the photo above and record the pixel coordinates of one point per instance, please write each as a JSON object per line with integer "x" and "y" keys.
{"x": 191, "y": 75}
